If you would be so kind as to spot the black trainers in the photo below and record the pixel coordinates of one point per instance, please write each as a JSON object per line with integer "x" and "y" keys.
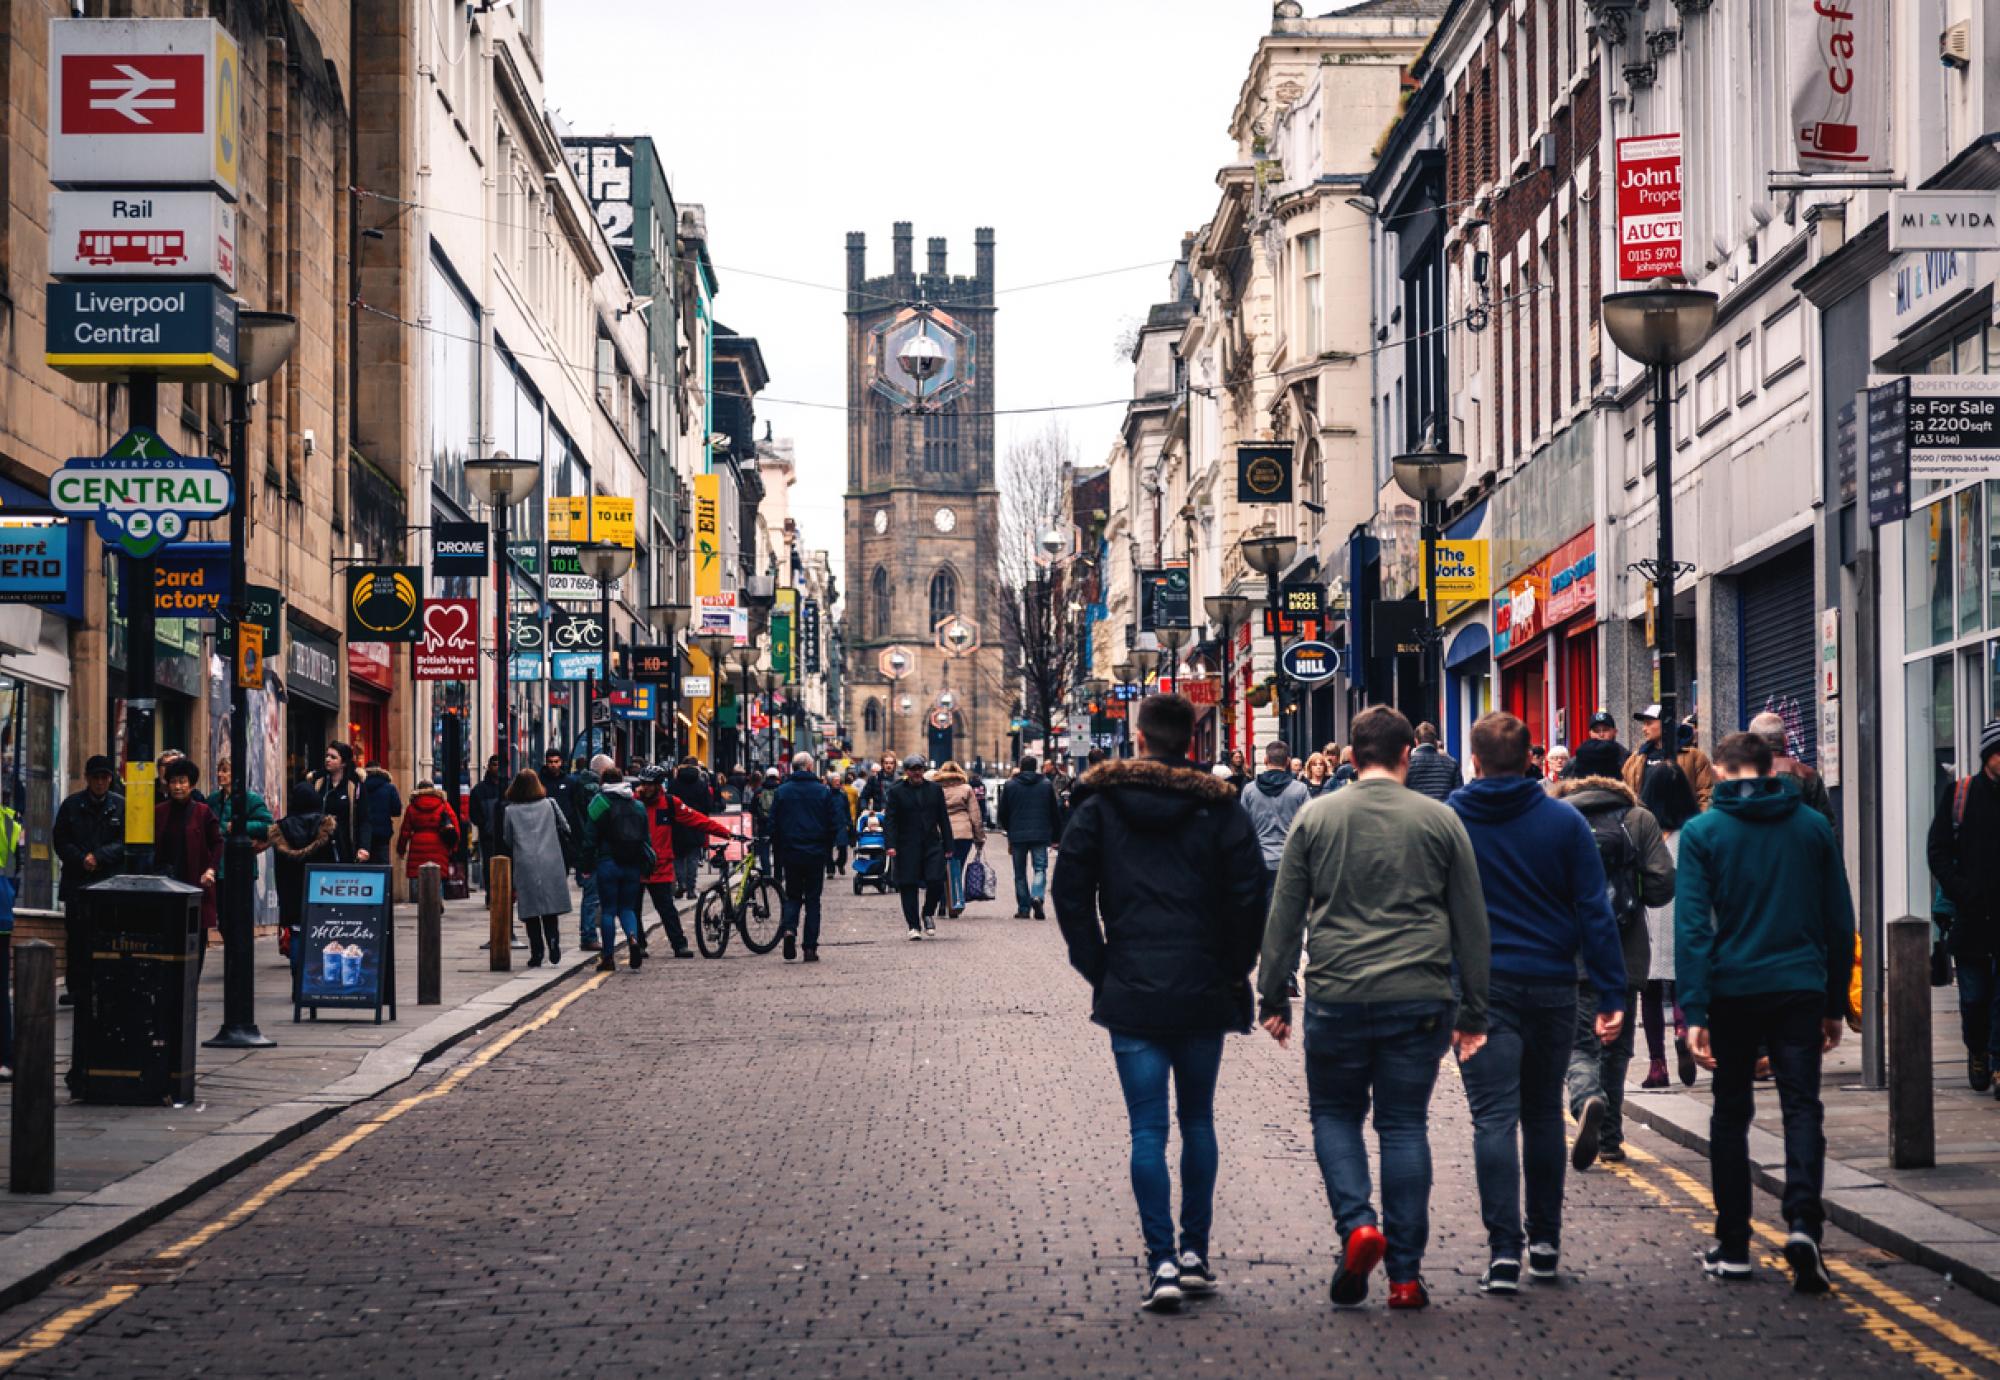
{"x": 1502, "y": 1277}
{"x": 1730, "y": 1265}
{"x": 1589, "y": 1125}
{"x": 791, "y": 947}
{"x": 1363, "y": 1252}
{"x": 1196, "y": 1277}
{"x": 1542, "y": 1262}
{"x": 1611, "y": 1154}
{"x": 1163, "y": 1289}
{"x": 1809, "y": 1274}
{"x": 1039, "y": 915}
{"x": 1021, "y": 915}
{"x": 812, "y": 955}
{"x": 1979, "y": 1072}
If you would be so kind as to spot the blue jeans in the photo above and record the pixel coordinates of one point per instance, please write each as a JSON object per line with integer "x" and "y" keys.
{"x": 1039, "y": 852}
{"x": 1390, "y": 1049}
{"x": 1516, "y": 1084}
{"x": 1143, "y": 1065}
{"x": 618, "y": 891}
{"x": 961, "y": 849}
{"x": 588, "y": 913}
{"x": 1979, "y": 1004}
{"x": 1597, "y": 1069}
{"x": 803, "y": 884}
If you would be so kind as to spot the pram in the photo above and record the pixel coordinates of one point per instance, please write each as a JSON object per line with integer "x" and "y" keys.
{"x": 871, "y": 853}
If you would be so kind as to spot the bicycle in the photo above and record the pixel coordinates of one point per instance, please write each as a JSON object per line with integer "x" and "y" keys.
{"x": 742, "y": 897}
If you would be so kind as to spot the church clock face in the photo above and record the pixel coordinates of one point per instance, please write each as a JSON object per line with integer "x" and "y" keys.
{"x": 881, "y": 520}
{"x": 945, "y": 519}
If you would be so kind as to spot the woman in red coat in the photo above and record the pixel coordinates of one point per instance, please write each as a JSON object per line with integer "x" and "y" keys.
{"x": 187, "y": 836}
{"x": 430, "y": 831}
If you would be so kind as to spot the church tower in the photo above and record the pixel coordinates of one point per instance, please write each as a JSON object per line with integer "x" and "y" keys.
{"x": 923, "y": 570}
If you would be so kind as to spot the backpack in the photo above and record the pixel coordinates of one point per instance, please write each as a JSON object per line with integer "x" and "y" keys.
{"x": 628, "y": 835}
{"x": 1623, "y": 867}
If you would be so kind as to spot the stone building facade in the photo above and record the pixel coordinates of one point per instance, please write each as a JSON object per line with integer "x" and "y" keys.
{"x": 922, "y": 511}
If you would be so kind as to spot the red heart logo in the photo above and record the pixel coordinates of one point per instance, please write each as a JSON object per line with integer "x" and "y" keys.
{"x": 446, "y": 625}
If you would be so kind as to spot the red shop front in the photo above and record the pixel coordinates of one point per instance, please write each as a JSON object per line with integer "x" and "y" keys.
{"x": 371, "y": 675}
{"x": 1545, "y": 641}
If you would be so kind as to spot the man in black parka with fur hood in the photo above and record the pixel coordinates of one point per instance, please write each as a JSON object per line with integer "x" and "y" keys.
{"x": 1159, "y": 890}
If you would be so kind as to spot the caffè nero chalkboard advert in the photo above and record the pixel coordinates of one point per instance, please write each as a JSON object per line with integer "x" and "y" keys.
{"x": 344, "y": 956}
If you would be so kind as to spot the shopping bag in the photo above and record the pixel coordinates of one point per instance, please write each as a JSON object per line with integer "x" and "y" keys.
{"x": 978, "y": 878}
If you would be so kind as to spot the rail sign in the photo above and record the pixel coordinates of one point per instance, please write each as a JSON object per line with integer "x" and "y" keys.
{"x": 1310, "y": 662}
{"x": 1649, "y": 206}
{"x": 105, "y": 330}
{"x": 140, "y": 493}
{"x": 152, "y": 102}
{"x": 142, "y": 235}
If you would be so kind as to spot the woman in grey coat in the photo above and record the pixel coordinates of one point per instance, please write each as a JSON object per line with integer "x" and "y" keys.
{"x": 537, "y": 838}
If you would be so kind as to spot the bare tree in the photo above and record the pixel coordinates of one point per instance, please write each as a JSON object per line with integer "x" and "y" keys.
{"x": 1035, "y": 478}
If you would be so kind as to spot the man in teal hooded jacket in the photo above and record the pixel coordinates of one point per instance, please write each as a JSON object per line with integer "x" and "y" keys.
{"x": 1763, "y": 946}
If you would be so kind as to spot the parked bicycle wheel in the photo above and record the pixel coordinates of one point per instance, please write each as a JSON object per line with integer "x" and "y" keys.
{"x": 711, "y": 924}
{"x": 761, "y": 914}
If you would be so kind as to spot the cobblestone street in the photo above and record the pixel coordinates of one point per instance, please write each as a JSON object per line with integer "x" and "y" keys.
{"x": 907, "y": 1160}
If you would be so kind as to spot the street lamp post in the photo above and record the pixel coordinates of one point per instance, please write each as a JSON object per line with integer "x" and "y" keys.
{"x": 745, "y": 658}
{"x": 676, "y": 617}
{"x": 502, "y": 480}
{"x": 1171, "y": 641}
{"x": 1662, "y": 327}
{"x": 1229, "y": 610}
{"x": 1126, "y": 672}
{"x": 715, "y": 646}
{"x": 1430, "y": 476}
{"x": 1268, "y": 553}
{"x": 264, "y": 341}
{"x": 605, "y": 562}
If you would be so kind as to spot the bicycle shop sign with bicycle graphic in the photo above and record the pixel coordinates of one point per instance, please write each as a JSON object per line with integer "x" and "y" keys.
{"x": 576, "y": 647}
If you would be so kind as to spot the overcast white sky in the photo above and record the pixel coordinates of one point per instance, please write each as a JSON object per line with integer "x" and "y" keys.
{"x": 1087, "y": 133}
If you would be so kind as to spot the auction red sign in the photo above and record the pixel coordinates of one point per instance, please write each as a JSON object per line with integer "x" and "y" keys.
{"x": 1649, "y": 206}
{"x": 450, "y": 649}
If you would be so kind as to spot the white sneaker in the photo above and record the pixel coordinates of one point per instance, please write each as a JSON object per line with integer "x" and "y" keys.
{"x": 1196, "y": 1277}
{"x": 1163, "y": 1289}
{"x": 916, "y": 934}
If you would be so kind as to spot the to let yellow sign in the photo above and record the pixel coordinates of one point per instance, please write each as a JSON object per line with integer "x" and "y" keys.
{"x": 611, "y": 520}
{"x": 605, "y": 518}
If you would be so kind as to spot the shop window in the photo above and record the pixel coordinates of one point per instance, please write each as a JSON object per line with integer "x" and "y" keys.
{"x": 1965, "y": 505}
{"x": 1927, "y": 598}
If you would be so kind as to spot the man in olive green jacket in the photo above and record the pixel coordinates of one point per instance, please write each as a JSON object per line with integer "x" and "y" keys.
{"x": 1382, "y": 885}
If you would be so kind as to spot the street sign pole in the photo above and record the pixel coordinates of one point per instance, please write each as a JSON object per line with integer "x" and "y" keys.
{"x": 239, "y": 990}
{"x": 143, "y": 409}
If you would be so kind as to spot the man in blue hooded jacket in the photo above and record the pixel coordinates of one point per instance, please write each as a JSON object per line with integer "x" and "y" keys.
{"x": 1547, "y": 906}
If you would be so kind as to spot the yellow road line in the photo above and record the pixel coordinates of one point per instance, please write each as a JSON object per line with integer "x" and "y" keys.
{"x": 53, "y": 1332}
{"x": 1852, "y": 1274}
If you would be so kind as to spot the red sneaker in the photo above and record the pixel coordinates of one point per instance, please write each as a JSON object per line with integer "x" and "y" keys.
{"x": 1350, "y": 1278}
{"x": 1409, "y": 1294}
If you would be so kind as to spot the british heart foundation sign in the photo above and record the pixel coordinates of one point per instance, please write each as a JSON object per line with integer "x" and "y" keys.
{"x": 1649, "y": 207}
{"x": 450, "y": 649}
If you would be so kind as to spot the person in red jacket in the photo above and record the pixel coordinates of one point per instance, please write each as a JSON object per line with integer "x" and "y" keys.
{"x": 429, "y": 833}
{"x": 664, "y": 811}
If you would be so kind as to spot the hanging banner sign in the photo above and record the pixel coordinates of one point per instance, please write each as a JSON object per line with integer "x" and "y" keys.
{"x": 1889, "y": 452}
{"x": 638, "y": 703}
{"x": 104, "y": 330}
{"x": 809, "y": 637}
{"x": 250, "y": 658}
{"x": 264, "y": 602}
{"x": 1649, "y": 207}
{"x": 450, "y": 649}
{"x": 1263, "y": 473}
{"x": 1165, "y": 598}
{"x": 654, "y": 664}
{"x": 34, "y": 560}
{"x": 708, "y": 534}
{"x": 149, "y": 234}
{"x": 1462, "y": 570}
{"x": 576, "y": 647}
{"x": 1304, "y": 599}
{"x": 1944, "y": 220}
{"x": 1839, "y": 77}
{"x": 383, "y": 603}
{"x": 1310, "y": 662}
{"x": 696, "y": 687}
{"x": 459, "y": 549}
{"x": 151, "y": 102}
{"x": 140, "y": 493}
{"x": 525, "y": 666}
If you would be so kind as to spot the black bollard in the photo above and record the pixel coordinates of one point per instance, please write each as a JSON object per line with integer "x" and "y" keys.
{"x": 1912, "y": 1123}
{"x": 32, "y": 1158}
{"x": 430, "y": 935}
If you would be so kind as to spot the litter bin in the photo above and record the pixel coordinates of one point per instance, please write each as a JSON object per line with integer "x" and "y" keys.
{"x": 135, "y": 1035}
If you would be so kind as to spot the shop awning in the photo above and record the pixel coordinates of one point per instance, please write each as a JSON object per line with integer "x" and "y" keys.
{"x": 1471, "y": 643}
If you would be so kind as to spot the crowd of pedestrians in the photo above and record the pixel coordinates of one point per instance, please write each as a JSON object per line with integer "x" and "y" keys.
{"x": 1521, "y": 920}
